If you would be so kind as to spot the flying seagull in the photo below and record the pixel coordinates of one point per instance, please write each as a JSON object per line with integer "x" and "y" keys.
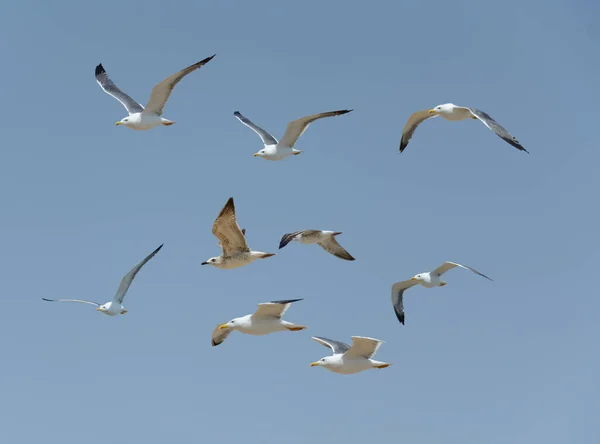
{"x": 115, "y": 306}
{"x": 141, "y": 118}
{"x": 266, "y": 319}
{"x": 325, "y": 239}
{"x": 277, "y": 150}
{"x": 232, "y": 241}
{"x": 350, "y": 359}
{"x": 428, "y": 280}
{"x": 450, "y": 111}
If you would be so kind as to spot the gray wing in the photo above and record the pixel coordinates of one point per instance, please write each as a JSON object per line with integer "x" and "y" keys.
{"x": 450, "y": 265}
{"x": 336, "y": 347}
{"x": 274, "y": 308}
{"x": 227, "y": 230}
{"x": 411, "y": 125}
{"x": 161, "y": 92}
{"x": 128, "y": 278}
{"x": 332, "y": 246}
{"x": 297, "y": 127}
{"x": 111, "y": 89}
{"x": 363, "y": 347}
{"x": 497, "y": 128}
{"x": 219, "y": 335}
{"x": 267, "y": 138}
{"x": 288, "y": 237}
{"x": 398, "y": 290}
{"x": 73, "y": 300}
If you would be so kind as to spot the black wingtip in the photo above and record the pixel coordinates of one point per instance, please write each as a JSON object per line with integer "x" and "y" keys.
{"x": 285, "y": 239}
{"x": 49, "y": 300}
{"x": 214, "y": 344}
{"x": 403, "y": 146}
{"x": 237, "y": 113}
{"x": 99, "y": 70}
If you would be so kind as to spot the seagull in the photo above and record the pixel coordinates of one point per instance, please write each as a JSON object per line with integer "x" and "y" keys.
{"x": 277, "y": 150}
{"x": 428, "y": 280}
{"x": 347, "y": 360}
{"x": 450, "y": 111}
{"x": 115, "y": 306}
{"x": 232, "y": 241}
{"x": 325, "y": 239}
{"x": 266, "y": 319}
{"x": 141, "y": 118}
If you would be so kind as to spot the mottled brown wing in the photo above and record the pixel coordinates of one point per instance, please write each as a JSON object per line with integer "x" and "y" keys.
{"x": 228, "y": 232}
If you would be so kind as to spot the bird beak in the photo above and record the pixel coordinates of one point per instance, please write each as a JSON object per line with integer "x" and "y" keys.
{"x": 432, "y": 111}
{"x": 413, "y": 279}
{"x": 118, "y": 123}
{"x": 222, "y": 326}
{"x": 256, "y": 155}
{"x": 204, "y": 263}
{"x": 99, "y": 309}
{"x": 314, "y": 364}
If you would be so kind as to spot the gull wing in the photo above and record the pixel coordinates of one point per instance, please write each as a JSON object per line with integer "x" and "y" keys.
{"x": 332, "y": 246}
{"x": 398, "y": 290}
{"x": 450, "y": 265}
{"x": 128, "y": 278}
{"x": 297, "y": 127}
{"x": 363, "y": 347}
{"x": 227, "y": 230}
{"x": 161, "y": 91}
{"x": 111, "y": 89}
{"x": 274, "y": 308}
{"x": 288, "y": 237}
{"x": 498, "y": 129}
{"x": 267, "y": 138}
{"x": 336, "y": 347}
{"x": 73, "y": 300}
{"x": 411, "y": 125}
{"x": 219, "y": 335}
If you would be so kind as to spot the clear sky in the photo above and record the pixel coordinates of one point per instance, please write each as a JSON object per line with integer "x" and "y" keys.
{"x": 509, "y": 361}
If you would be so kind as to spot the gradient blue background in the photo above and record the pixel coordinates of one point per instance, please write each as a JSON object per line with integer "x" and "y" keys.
{"x": 514, "y": 360}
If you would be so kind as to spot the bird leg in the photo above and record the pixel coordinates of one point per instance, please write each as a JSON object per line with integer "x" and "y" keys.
{"x": 443, "y": 283}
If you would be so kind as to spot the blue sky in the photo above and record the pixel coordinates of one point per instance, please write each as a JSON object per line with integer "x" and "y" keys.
{"x": 514, "y": 360}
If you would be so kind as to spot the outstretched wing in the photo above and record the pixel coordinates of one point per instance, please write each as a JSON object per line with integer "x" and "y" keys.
{"x": 267, "y": 138}
{"x": 450, "y": 265}
{"x": 288, "y": 237}
{"x": 397, "y": 297}
{"x": 297, "y": 127}
{"x": 336, "y": 347}
{"x": 73, "y": 300}
{"x": 411, "y": 125}
{"x": 363, "y": 347}
{"x": 274, "y": 308}
{"x": 332, "y": 246}
{"x": 161, "y": 92}
{"x": 227, "y": 230}
{"x": 219, "y": 335}
{"x": 128, "y": 278}
{"x": 497, "y": 128}
{"x": 111, "y": 89}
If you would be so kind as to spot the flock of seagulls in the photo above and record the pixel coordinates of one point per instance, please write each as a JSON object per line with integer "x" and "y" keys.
{"x": 235, "y": 252}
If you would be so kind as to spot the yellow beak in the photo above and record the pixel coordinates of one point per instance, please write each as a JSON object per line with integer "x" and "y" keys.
{"x": 223, "y": 326}
{"x": 98, "y": 309}
{"x": 118, "y": 123}
{"x": 256, "y": 155}
{"x": 431, "y": 111}
{"x": 314, "y": 364}
{"x": 413, "y": 279}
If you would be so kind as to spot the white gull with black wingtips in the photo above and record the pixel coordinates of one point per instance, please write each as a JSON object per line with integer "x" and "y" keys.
{"x": 232, "y": 240}
{"x": 141, "y": 118}
{"x": 450, "y": 111}
{"x": 266, "y": 319}
{"x": 428, "y": 280}
{"x": 347, "y": 359}
{"x": 277, "y": 150}
{"x": 115, "y": 306}
{"x": 325, "y": 239}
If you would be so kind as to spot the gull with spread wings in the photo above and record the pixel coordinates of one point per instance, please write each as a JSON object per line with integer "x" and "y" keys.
{"x": 266, "y": 319}
{"x": 236, "y": 252}
{"x": 277, "y": 150}
{"x": 450, "y": 111}
{"x": 115, "y": 306}
{"x": 346, "y": 359}
{"x": 141, "y": 118}
{"x": 325, "y": 239}
{"x": 428, "y": 280}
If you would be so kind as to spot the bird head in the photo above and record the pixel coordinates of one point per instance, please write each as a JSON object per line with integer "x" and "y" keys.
{"x": 103, "y": 308}
{"x": 231, "y": 324}
{"x": 323, "y": 362}
{"x": 125, "y": 121}
{"x": 441, "y": 109}
{"x": 260, "y": 153}
{"x": 212, "y": 261}
{"x": 417, "y": 277}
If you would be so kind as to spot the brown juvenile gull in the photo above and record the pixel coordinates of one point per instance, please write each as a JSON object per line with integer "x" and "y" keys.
{"x": 236, "y": 252}
{"x": 450, "y": 111}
